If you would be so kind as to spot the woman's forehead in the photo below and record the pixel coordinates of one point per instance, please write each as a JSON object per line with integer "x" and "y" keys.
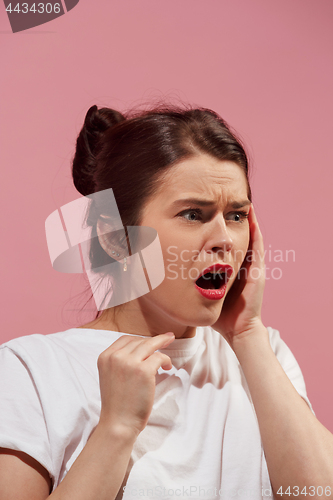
{"x": 211, "y": 178}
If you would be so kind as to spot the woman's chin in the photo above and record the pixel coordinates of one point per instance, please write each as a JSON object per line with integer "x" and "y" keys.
{"x": 207, "y": 318}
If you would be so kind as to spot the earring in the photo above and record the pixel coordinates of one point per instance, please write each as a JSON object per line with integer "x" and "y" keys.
{"x": 125, "y": 260}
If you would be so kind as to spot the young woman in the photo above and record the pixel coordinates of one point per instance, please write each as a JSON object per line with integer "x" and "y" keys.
{"x": 181, "y": 392}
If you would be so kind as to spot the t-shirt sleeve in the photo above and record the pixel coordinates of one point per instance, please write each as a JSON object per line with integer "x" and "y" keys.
{"x": 22, "y": 423}
{"x": 288, "y": 362}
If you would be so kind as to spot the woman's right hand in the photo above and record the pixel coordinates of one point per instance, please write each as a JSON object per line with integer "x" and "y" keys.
{"x": 127, "y": 372}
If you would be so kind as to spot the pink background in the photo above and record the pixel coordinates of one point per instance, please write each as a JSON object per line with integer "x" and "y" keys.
{"x": 265, "y": 66}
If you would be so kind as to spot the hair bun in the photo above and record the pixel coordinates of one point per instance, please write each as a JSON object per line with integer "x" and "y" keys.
{"x": 88, "y": 143}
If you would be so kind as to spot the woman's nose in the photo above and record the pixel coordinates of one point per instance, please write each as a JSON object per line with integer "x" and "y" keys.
{"x": 219, "y": 237}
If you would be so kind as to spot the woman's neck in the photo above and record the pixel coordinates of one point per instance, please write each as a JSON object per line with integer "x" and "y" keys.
{"x": 135, "y": 324}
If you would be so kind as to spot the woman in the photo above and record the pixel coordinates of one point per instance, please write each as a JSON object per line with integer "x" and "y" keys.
{"x": 181, "y": 392}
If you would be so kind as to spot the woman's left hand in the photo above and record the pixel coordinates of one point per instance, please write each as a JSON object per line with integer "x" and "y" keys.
{"x": 241, "y": 311}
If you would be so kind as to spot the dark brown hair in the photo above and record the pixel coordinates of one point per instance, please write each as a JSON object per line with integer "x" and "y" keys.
{"x": 131, "y": 152}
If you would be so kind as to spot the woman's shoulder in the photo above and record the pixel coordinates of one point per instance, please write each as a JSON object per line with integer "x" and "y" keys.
{"x": 63, "y": 339}
{"x": 57, "y": 366}
{"x": 71, "y": 348}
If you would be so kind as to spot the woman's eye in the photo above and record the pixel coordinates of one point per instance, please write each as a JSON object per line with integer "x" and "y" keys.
{"x": 239, "y": 216}
{"x": 192, "y": 212}
{"x": 192, "y": 215}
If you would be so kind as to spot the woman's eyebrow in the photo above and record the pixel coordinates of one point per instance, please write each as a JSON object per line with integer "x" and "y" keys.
{"x": 209, "y": 203}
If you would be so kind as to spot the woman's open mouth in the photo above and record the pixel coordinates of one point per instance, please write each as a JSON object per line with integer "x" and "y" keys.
{"x": 213, "y": 281}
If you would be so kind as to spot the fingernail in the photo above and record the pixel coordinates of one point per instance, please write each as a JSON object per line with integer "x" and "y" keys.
{"x": 170, "y": 333}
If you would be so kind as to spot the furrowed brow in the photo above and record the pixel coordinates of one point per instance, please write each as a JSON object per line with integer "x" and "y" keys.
{"x": 209, "y": 203}
{"x": 240, "y": 204}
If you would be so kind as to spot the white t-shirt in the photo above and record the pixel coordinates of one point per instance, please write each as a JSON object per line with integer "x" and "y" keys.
{"x": 202, "y": 440}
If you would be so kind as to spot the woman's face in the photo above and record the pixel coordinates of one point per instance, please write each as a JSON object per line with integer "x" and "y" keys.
{"x": 194, "y": 236}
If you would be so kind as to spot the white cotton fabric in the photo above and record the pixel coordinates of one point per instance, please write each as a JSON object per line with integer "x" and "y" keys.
{"x": 202, "y": 440}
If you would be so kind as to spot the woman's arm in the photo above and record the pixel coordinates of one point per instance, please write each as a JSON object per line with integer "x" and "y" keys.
{"x": 100, "y": 468}
{"x": 22, "y": 477}
{"x": 127, "y": 372}
{"x": 97, "y": 472}
{"x": 298, "y": 448}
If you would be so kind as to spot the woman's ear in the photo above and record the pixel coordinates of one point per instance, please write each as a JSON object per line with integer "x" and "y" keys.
{"x": 103, "y": 230}
{"x": 110, "y": 240}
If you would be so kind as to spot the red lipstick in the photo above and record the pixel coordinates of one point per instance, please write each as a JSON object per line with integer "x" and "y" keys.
{"x": 212, "y": 282}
